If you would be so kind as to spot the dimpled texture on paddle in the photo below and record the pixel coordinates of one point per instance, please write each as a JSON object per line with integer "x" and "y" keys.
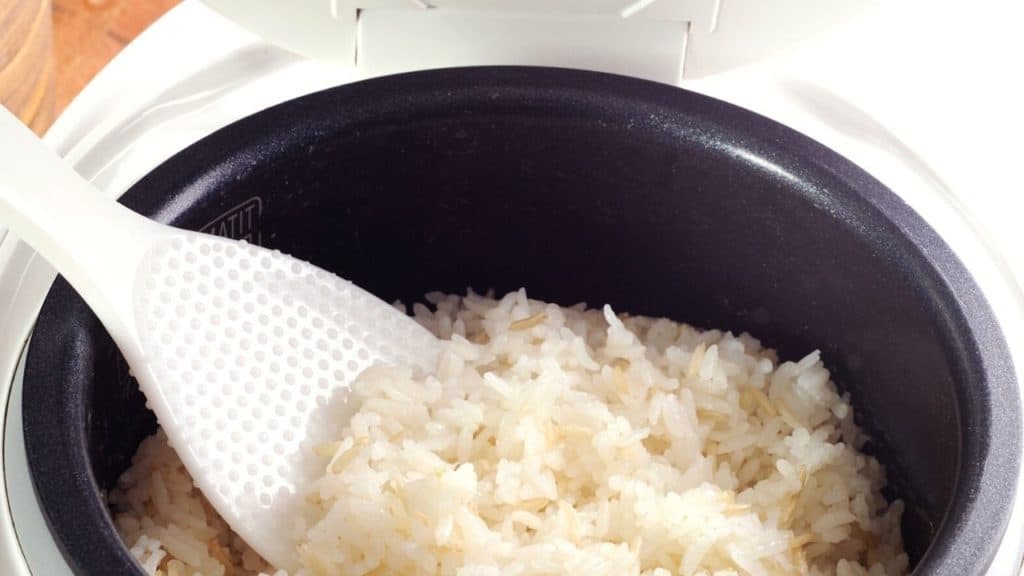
{"x": 244, "y": 345}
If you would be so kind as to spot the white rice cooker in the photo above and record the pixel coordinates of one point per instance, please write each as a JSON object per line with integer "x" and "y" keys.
{"x": 923, "y": 95}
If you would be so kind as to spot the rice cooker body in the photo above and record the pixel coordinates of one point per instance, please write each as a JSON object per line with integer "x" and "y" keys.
{"x": 587, "y": 187}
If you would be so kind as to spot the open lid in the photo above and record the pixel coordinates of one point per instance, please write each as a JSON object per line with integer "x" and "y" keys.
{"x": 662, "y": 40}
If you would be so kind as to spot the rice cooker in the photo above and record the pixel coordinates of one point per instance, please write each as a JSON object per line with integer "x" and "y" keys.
{"x": 917, "y": 94}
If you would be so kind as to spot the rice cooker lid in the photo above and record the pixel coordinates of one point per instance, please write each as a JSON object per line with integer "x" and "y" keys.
{"x": 661, "y": 40}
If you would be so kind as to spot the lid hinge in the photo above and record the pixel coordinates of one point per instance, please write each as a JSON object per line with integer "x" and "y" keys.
{"x": 642, "y": 38}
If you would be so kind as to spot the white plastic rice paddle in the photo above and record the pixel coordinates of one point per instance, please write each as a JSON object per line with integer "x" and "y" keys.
{"x": 237, "y": 348}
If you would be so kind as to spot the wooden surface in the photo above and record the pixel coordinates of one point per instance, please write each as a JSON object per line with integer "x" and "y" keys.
{"x": 88, "y": 33}
{"x": 26, "y": 72}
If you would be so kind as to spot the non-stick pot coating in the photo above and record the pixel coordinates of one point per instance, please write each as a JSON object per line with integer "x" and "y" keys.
{"x": 580, "y": 187}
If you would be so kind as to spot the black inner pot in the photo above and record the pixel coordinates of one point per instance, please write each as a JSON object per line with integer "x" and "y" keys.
{"x": 580, "y": 187}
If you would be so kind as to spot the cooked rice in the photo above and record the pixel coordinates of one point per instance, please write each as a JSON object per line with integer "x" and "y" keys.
{"x": 563, "y": 441}
{"x": 172, "y": 529}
